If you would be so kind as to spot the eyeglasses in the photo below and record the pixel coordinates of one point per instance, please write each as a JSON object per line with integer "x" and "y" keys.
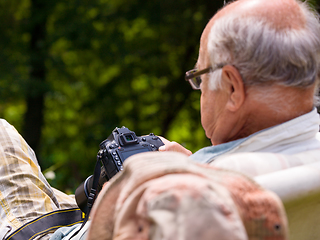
{"x": 193, "y": 76}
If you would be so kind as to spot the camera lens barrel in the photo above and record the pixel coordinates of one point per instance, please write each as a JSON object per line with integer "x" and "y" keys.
{"x": 82, "y": 193}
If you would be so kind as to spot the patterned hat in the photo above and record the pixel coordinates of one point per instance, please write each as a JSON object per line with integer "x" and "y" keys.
{"x": 164, "y": 195}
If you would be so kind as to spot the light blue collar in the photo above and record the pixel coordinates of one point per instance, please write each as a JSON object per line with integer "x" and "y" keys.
{"x": 207, "y": 154}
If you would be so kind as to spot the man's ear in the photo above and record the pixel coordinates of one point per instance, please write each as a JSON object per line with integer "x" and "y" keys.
{"x": 234, "y": 86}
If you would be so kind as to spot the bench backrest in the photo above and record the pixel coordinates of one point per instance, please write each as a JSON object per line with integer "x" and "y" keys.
{"x": 299, "y": 190}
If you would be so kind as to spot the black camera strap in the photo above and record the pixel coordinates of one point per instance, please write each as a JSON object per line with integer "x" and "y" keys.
{"x": 93, "y": 193}
{"x": 47, "y": 223}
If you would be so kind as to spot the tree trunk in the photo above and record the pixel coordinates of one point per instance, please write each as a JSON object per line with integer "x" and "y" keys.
{"x": 35, "y": 92}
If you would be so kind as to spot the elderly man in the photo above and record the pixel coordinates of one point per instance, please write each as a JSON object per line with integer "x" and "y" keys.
{"x": 258, "y": 72}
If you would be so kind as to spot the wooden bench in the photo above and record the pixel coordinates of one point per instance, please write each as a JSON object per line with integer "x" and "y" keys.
{"x": 299, "y": 190}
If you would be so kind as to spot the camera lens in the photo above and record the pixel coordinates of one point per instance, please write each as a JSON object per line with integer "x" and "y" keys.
{"x": 82, "y": 193}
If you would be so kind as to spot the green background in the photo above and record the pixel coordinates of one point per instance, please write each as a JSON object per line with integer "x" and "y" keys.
{"x": 73, "y": 70}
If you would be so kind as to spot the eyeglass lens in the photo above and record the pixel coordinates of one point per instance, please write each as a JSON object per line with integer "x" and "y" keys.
{"x": 195, "y": 82}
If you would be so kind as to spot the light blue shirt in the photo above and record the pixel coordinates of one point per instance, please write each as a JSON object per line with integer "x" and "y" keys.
{"x": 207, "y": 154}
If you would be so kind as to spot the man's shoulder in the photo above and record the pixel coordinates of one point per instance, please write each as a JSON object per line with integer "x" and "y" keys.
{"x": 4, "y": 123}
{"x": 8, "y": 131}
{"x": 258, "y": 163}
{"x": 6, "y": 126}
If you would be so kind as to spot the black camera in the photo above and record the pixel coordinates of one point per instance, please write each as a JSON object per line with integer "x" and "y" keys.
{"x": 121, "y": 144}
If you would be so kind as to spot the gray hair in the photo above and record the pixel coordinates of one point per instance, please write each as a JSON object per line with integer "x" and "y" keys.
{"x": 264, "y": 55}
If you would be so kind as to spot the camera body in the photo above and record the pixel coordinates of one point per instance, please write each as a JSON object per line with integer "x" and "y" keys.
{"x": 121, "y": 144}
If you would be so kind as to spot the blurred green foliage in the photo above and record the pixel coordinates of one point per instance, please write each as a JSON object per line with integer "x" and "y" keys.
{"x": 100, "y": 64}
{"x": 106, "y": 63}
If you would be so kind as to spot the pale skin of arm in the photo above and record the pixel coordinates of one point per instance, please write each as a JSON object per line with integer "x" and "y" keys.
{"x": 173, "y": 146}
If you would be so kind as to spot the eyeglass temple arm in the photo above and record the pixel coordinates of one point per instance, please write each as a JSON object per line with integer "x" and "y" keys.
{"x": 190, "y": 74}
